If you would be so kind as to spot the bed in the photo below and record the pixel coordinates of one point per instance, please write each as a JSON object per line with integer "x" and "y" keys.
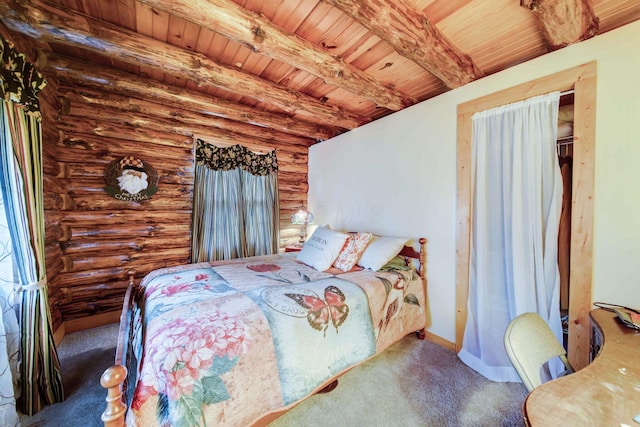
{"x": 239, "y": 342}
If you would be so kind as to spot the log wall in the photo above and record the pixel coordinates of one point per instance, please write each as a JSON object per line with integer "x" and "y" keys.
{"x": 93, "y": 239}
{"x": 53, "y": 253}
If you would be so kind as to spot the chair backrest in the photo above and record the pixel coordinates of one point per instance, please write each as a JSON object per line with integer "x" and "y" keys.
{"x": 530, "y": 343}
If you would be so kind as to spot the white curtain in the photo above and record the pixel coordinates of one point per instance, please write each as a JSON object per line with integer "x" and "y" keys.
{"x": 517, "y": 196}
{"x": 9, "y": 327}
{"x": 9, "y": 332}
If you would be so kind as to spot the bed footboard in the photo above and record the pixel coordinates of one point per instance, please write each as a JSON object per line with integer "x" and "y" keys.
{"x": 114, "y": 379}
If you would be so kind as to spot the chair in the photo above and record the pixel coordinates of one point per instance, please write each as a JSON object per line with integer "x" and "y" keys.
{"x": 530, "y": 343}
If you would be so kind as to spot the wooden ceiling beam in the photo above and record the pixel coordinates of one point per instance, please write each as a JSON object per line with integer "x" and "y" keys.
{"x": 20, "y": 42}
{"x": 260, "y": 35}
{"x": 119, "y": 82}
{"x": 410, "y": 33}
{"x": 564, "y": 22}
{"x": 53, "y": 23}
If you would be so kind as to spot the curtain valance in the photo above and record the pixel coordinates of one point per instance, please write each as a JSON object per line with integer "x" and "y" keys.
{"x": 19, "y": 81}
{"x": 235, "y": 156}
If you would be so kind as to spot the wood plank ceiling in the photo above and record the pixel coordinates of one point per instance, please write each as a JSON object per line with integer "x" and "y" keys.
{"x": 308, "y": 68}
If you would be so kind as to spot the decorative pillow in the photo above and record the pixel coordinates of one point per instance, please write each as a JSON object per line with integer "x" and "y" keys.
{"x": 335, "y": 270}
{"x": 322, "y": 248}
{"x": 396, "y": 263}
{"x": 380, "y": 251}
{"x": 352, "y": 250}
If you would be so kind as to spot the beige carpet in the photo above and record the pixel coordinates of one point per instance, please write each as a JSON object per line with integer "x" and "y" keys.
{"x": 413, "y": 383}
{"x": 83, "y": 358}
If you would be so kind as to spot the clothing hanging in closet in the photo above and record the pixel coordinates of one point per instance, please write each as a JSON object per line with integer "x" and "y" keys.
{"x": 564, "y": 232}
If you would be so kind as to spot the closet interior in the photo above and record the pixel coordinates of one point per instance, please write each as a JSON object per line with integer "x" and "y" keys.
{"x": 565, "y": 159}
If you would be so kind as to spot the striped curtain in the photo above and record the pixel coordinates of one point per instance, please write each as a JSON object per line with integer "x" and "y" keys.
{"x": 21, "y": 177}
{"x": 235, "y": 208}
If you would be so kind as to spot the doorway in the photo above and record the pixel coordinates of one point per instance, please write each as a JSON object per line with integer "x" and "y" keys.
{"x": 582, "y": 80}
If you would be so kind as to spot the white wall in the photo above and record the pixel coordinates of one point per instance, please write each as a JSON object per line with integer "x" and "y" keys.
{"x": 397, "y": 175}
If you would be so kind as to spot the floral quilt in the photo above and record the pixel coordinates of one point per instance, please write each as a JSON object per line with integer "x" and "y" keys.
{"x": 227, "y": 343}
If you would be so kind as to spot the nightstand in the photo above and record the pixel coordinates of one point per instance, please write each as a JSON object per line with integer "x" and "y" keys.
{"x": 293, "y": 248}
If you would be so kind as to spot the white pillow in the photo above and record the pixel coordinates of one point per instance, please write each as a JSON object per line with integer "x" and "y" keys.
{"x": 322, "y": 248}
{"x": 381, "y": 250}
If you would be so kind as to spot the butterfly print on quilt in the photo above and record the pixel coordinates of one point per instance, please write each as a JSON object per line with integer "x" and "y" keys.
{"x": 320, "y": 312}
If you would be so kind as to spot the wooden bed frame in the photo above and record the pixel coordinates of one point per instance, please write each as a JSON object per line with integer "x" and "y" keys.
{"x": 114, "y": 379}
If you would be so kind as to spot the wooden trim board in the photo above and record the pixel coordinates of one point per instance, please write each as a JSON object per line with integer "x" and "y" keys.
{"x": 439, "y": 341}
{"x": 91, "y": 322}
{"x": 85, "y": 323}
{"x": 59, "y": 334}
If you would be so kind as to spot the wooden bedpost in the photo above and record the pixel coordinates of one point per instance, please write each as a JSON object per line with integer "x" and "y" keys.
{"x": 112, "y": 379}
{"x": 423, "y": 258}
{"x": 421, "y": 334}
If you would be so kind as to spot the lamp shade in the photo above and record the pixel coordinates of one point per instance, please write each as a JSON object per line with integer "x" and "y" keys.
{"x": 302, "y": 216}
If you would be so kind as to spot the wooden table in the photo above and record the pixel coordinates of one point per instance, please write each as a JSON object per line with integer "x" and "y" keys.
{"x": 605, "y": 393}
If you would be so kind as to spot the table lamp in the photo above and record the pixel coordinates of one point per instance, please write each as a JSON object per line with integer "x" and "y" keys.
{"x": 302, "y": 217}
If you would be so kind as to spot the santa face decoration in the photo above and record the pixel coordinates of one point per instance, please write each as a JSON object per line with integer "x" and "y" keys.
{"x": 131, "y": 179}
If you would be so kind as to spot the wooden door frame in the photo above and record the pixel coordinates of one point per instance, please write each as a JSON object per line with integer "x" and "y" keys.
{"x": 581, "y": 79}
